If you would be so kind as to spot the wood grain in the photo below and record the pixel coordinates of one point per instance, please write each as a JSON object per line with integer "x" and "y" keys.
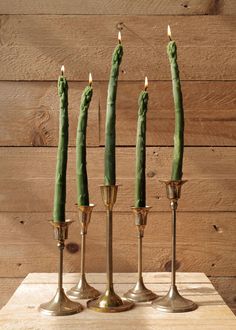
{"x": 146, "y": 31}
{"x": 226, "y": 286}
{"x": 209, "y": 113}
{"x": 29, "y": 113}
{"x": 29, "y": 63}
{"x": 27, "y": 178}
{"x": 212, "y": 311}
{"x": 7, "y": 288}
{"x": 121, "y": 7}
{"x": 206, "y": 243}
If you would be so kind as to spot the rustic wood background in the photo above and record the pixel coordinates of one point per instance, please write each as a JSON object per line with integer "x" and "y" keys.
{"x": 36, "y": 37}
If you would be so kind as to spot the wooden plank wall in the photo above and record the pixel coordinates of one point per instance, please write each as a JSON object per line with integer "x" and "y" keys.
{"x": 36, "y": 37}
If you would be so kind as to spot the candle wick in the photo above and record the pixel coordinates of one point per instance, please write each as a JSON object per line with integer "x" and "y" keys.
{"x": 170, "y": 38}
{"x": 145, "y": 88}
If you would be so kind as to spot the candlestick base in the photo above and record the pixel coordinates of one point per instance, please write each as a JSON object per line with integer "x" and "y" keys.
{"x": 109, "y": 302}
{"x": 83, "y": 290}
{"x": 173, "y": 302}
{"x": 60, "y": 305}
{"x": 139, "y": 293}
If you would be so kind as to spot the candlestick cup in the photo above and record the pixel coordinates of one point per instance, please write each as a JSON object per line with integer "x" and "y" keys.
{"x": 60, "y": 305}
{"x": 139, "y": 293}
{"x": 109, "y": 301}
{"x": 173, "y": 302}
{"x": 83, "y": 290}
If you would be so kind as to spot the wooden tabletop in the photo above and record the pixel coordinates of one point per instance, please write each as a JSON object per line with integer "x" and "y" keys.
{"x": 21, "y": 312}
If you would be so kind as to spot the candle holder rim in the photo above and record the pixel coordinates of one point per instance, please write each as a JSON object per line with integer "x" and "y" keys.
{"x": 90, "y": 205}
{"x": 147, "y": 207}
{"x": 59, "y": 224}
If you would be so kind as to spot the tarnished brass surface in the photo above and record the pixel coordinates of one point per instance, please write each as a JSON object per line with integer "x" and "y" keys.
{"x": 139, "y": 293}
{"x": 60, "y": 305}
{"x": 82, "y": 290}
{"x": 109, "y": 301}
{"x": 173, "y": 302}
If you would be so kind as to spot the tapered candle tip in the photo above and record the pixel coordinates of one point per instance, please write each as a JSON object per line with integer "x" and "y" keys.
{"x": 169, "y": 32}
{"x": 119, "y": 37}
{"x": 62, "y": 70}
{"x": 146, "y": 83}
{"x": 90, "y": 79}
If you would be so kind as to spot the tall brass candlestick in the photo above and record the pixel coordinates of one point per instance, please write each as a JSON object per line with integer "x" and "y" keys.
{"x": 139, "y": 293}
{"x": 173, "y": 302}
{"x": 60, "y": 305}
{"x": 83, "y": 290}
{"x": 109, "y": 301}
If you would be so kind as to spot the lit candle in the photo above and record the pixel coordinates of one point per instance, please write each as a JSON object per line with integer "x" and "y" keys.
{"x": 177, "y": 163}
{"x": 110, "y": 131}
{"x": 140, "y": 183}
{"x": 60, "y": 180}
{"x": 81, "y": 170}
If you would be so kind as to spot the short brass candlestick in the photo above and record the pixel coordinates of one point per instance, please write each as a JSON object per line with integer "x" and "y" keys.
{"x": 109, "y": 301}
{"x": 173, "y": 302}
{"x": 60, "y": 305}
{"x": 83, "y": 290}
{"x": 139, "y": 293}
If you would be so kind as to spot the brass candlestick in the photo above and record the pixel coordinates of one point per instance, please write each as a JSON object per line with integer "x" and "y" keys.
{"x": 109, "y": 301}
{"x": 83, "y": 290}
{"x": 173, "y": 302}
{"x": 139, "y": 293}
{"x": 60, "y": 305}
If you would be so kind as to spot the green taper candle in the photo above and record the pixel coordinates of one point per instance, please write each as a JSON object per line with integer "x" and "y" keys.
{"x": 60, "y": 180}
{"x": 140, "y": 175}
{"x": 110, "y": 131}
{"x": 179, "y": 112}
{"x": 81, "y": 168}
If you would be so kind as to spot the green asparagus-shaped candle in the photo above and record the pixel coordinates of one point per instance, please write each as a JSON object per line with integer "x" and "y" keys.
{"x": 60, "y": 180}
{"x": 110, "y": 134}
{"x": 179, "y": 112}
{"x": 81, "y": 170}
{"x": 140, "y": 183}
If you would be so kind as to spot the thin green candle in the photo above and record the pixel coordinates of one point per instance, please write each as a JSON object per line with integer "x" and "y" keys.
{"x": 140, "y": 176}
{"x": 60, "y": 180}
{"x": 179, "y": 112}
{"x": 110, "y": 131}
{"x": 81, "y": 168}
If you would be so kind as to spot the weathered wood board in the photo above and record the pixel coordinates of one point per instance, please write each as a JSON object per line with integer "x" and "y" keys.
{"x": 205, "y": 242}
{"x": 212, "y": 312}
{"x": 119, "y": 7}
{"x": 29, "y": 115}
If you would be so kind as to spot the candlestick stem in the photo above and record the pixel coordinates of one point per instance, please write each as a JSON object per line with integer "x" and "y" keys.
{"x": 173, "y": 302}
{"x": 82, "y": 290}
{"x": 109, "y": 301}
{"x": 139, "y": 293}
{"x": 60, "y": 304}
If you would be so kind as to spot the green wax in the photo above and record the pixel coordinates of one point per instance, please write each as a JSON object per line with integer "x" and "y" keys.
{"x": 140, "y": 176}
{"x": 110, "y": 133}
{"x": 60, "y": 180}
{"x": 177, "y": 163}
{"x": 81, "y": 170}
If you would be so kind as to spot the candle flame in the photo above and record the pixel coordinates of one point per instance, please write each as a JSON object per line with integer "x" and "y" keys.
{"x": 169, "y": 31}
{"x": 90, "y": 79}
{"x": 119, "y": 37}
{"x": 62, "y": 70}
{"x": 146, "y": 83}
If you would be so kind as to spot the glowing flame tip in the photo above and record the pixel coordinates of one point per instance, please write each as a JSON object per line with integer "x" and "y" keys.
{"x": 90, "y": 79}
{"x": 169, "y": 31}
{"x": 62, "y": 69}
{"x": 146, "y": 83}
{"x": 119, "y": 37}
